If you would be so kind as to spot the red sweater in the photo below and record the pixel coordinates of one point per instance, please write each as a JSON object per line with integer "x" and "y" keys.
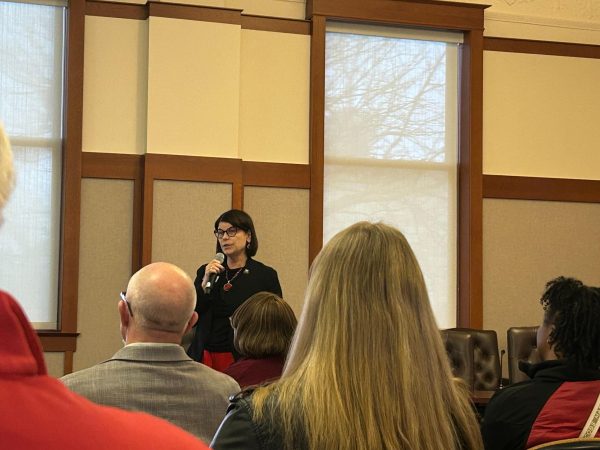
{"x": 249, "y": 372}
{"x": 37, "y": 411}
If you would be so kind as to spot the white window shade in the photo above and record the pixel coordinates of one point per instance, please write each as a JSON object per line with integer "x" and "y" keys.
{"x": 391, "y": 143}
{"x": 31, "y": 92}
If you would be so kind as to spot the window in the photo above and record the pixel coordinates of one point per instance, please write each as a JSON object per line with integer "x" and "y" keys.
{"x": 391, "y": 143}
{"x": 31, "y": 107}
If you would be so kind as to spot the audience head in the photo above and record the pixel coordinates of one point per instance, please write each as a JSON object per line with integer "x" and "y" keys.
{"x": 263, "y": 326}
{"x": 242, "y": 221}
{"x": 158, "y": 305}
{"x": 6, "y": 170}
{"x": 571, "y": 326}
{"x": 368, "y": 347}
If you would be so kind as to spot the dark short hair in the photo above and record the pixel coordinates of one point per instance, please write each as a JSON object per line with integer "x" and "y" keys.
{"x": 264, "y": 325}
{"x": 242, "y": 220}
{"x": 574, "y": 310}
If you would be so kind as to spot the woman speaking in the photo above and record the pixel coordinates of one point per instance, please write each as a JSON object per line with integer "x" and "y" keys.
{"x": 224, "y": 284}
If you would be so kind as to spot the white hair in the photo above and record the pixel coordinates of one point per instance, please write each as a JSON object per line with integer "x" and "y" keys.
{"x": 6, "y": 169}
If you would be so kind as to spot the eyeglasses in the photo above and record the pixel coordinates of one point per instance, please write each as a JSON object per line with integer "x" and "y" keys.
{"x": 231, "y": 232}
{"x": 124, "y": 298}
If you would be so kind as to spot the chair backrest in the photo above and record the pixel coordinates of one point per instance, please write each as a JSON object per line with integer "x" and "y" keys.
{"x": 570, "y": 444}
{"x": 522, "y": 346}
{"x": 486, "y": 359}
{"x": 459, "y": 346}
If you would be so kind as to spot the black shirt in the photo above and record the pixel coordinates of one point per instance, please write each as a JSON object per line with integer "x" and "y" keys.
{"x": 214, "y": 332}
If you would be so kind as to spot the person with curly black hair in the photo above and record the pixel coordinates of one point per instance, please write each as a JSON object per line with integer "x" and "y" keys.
{"x": 562, "y": 399}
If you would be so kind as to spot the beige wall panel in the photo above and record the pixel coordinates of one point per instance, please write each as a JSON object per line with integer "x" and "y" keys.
{"x": 292, "y": 9}
{"x": 525, "y": 245}
{"x": 55, "y": 363}
{"x": 540, "y": 116}
{"x": 281, "y": 220}
{"x": 104, "y": 266}
{"x": 115, "y": 85}
{"x": 193, "y": 87}
{"x": 274, "y": 97}
{"x": 184, "y": 215}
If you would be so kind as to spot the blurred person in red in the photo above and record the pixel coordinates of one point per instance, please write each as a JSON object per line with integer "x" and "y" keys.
{"x": 38, "y": 411}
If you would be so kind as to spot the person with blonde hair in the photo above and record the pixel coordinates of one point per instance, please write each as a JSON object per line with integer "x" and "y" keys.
{"x": 367, "y": 368}
{"x": 262, "y": 333}
{"x": 6, "y": 170}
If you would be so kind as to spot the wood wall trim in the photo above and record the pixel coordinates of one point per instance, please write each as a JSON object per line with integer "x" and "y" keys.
{"x": 541, "y": 47}
{"x": 58, "y": 342}
{"x": 433, "y": 14}
{"x": 547, "y": 189}
{"x": 276, "y": 175}
{"x": 192, "y": 12}
{"x": 470, "y": 201}
{"x": 317, "y": 136}
{"x": 116, "y": 10}
{"x": 71, "y": 188}
{"x": 275, "y": 24}
{"x": 111, "y": 165}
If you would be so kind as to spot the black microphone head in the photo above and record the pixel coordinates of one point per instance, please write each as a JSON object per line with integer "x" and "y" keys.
{"x": 220, "y": 257}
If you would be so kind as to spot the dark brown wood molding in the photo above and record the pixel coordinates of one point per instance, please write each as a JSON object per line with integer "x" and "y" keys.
{"x": 470, "y": 202}
{"x": 116, "y": 10}
{"x": 58, "y": 342}
{"x": 111, "y": 165}
{"x": 548, "y": 189}
{"x": 276, "y": 175}
{"x": 317, "y": 136}
{"x": 71, "y": 189}
{"x": 275, "y": 24}
{"x": 541, "y": 47}
{"x": 192, "y": 12}
{"x": 423, "y": 13}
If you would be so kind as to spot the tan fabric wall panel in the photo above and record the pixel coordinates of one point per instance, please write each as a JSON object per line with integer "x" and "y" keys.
{"x": 526, "y": 244}
{"x": 281, "y": 220}
{"x": 55, "y": 363}
{"x": 184, "y": 213}
{"x": 104, "y": 266}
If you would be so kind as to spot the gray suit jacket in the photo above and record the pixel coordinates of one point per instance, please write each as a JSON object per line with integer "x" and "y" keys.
{"x": 159, "y": 379}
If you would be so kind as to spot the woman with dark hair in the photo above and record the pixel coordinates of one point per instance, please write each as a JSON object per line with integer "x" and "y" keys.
{"x": 262, "y": 333}
{"x": 236, "y": 277}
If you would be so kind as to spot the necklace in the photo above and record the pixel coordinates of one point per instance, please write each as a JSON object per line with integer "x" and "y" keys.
{"x": 227, "y": 286}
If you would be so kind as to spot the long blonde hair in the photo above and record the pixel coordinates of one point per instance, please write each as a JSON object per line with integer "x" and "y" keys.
{"x": 6, "y": 169}
{"x": 367, "y": 368}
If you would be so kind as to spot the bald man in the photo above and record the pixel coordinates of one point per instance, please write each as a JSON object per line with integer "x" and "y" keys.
{"x": 152, "y": 373}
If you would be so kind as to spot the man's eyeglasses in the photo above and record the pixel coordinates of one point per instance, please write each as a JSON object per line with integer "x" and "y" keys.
{"x": 231, "y": 232}
{"x": 124, "y": 298}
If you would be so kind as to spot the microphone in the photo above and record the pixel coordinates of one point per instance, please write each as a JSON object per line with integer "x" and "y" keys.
{"x": 214, "y": 277}
{"x": 246, "y": 272}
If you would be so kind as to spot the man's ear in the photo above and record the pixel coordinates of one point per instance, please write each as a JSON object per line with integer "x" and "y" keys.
{"x": 191, "y": 322}
{"x": 123, "y": 314}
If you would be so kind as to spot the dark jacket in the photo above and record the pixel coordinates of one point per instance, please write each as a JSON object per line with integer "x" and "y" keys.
{"x": 213, "y": 332}
{"x": 239, "y": 431}
{"x": 555, "y": 404}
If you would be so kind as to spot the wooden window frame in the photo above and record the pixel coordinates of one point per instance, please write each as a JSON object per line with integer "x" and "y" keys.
{"x": 436, "y": 15}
